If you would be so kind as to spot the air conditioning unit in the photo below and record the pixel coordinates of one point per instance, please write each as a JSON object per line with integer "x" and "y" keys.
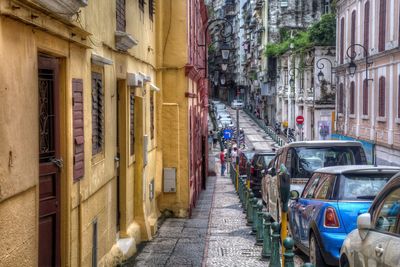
{"x": 134, "y": 79}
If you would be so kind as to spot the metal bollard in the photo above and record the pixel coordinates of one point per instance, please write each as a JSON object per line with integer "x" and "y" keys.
{"x": 266, "y": 251}
{"x": 255, "y": 210}
{"x": 243, "y": 187}
{"x": 288, "y": 243}
{"x": 275, "y": 260}
{"x": 260, "y": 226}
{"x": 246, "y": 200}
{"x": 250, "y": 209}
{"x": 241, "y": 190}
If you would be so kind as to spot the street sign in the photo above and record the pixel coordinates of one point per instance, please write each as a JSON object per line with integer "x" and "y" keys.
{"x": 300, "y": 119}
{"x": 228, "y": 134}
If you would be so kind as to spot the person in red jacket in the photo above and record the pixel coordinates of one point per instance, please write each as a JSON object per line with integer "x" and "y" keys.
{"x": 223, "y": 163}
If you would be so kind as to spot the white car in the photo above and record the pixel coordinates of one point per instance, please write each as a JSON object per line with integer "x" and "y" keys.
{"x": 376, "y": 241}
{"x": 237, "y": 103}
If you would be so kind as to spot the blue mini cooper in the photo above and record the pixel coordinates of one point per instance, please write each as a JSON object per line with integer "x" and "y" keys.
{"x": 327, "y": 210}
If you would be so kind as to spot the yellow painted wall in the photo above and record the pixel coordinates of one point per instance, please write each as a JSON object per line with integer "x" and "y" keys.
{"x": 94, "y": 197}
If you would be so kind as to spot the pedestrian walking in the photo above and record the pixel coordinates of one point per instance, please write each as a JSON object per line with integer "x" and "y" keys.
{"x": 234, "y": 154}
{"x": 223, "y": 163}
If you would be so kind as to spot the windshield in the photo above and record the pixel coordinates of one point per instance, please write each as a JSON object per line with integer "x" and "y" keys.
{"x": 268, "y": 158}
{"x": 307, "y": 159}
{"x": 362, "y": 186}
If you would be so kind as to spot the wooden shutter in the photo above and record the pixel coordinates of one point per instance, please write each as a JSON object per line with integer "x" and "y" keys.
{"x": 151, "y": 115}
{"x": 121, "y": 15}
{"x": 97, "y": 113}
{"x": 341, "y": 40}
{"x": 365, "y": 97}
{"x": 382, "y": 94}
{"x": 352, "y": 98}
{"x": 382, "y": 25}
{"x": 366, "y": 26}
{"x": 132, "y": 123}
{"x": 353, "y": 31}
{"x": 152, "y": 9}
{"x": 78, "y": 129}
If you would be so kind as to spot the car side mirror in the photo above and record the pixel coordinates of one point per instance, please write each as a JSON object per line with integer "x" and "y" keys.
{"x": 363, "y": 224}
{"x": 294, "y": 195}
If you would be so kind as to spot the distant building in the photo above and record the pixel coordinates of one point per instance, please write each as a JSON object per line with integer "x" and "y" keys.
{"x": 369, "y": 110}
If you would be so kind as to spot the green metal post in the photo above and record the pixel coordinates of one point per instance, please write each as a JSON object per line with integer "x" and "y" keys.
{"x": 288, "y": 243}
{"x": 266, "y": 251}
{"x": 275, "y": 260}
{"x": 255, "y": 210}
{"x": 250, "y": 209}
{"x": 246, "y": 200}
{"x": 260, "y": 226}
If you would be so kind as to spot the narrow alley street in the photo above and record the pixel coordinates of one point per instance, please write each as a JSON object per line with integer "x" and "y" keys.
{"x": 216, "y": 234}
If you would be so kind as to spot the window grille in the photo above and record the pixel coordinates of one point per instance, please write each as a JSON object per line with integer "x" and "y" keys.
{"x": 152, "y": 9}
{"x": 382, "y": 25}
{"x": 365, "y": 97}
{"x": 152, "y": 115}
{"x": 141, "y": 5}
{"x": 382, "y": 96}
{"x": 97, "y": 113}
{"x": 132, "y": 123}
{"x": 352, "y": 98}
{"x": 120, "y": 15}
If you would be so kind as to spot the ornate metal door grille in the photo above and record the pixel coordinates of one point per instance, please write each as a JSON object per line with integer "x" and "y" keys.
{"x": 46, "y": 115}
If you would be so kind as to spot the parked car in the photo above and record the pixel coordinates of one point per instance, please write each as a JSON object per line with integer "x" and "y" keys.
{"x": 376, "y": 241}
{"x": 219, "y": 107}
{"x": 327, "y": 210}
{"x": 301, "y": 159}
{"x": 237, "y": 103}
{"x": 245, "y": 158}
{"x": 258, "y": 166}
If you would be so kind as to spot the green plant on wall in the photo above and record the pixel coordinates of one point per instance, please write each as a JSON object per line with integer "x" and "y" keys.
{"x": 324, "y": 31}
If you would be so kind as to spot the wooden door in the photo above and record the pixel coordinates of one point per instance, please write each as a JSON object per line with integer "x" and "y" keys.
{"x": 49, "y": 162}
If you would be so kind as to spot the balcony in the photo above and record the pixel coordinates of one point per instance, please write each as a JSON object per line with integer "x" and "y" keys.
{"x": 63, "y": 8}
{"x": 124, "y": 41}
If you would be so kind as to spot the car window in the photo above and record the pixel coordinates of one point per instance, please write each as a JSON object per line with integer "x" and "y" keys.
{"x": 260, "y": 161}
{"x": 268, "y": 159}
{"x": 325, "y": 187}
{"x": 311, "y": 186}
{"x": 388, "y": 215}
{"x": 271, "y": 163}
{"x": 365, "y": 186}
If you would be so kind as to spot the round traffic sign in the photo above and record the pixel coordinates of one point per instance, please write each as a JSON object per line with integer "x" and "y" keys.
{"x": 300, "y": 119}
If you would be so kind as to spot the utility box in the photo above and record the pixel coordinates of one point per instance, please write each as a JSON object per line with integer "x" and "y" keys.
{"x": 169, "y": 180}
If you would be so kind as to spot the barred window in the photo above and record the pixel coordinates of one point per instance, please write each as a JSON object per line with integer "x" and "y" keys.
{"x": 353, "y": 31}
{"x": 341, "y": 55}
{"x": 141, "y": 5}
{"x": 366, "y": 26}
{"x": 152, "y": 8}
{"x": 132, "y": 123}
{"x": 152, "y": 115}
{"x": 382, "y": 25}
{"x": 121, "y": 16}
{"x": 97, "y": 113}
{"x": 341, "y": 99}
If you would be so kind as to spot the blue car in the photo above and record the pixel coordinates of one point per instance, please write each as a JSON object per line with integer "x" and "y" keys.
{"x": 327, "y": 210}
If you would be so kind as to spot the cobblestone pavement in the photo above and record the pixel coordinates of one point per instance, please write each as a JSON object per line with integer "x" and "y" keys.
{"x": 229, "y": 242}
{"x": 180, "y": 242}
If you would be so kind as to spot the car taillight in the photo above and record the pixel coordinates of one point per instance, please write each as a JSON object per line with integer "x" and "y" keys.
{"x": 251, "y": 170}
{"x": 331, "y": 219}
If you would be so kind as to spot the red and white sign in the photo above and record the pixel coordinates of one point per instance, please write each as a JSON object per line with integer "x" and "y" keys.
{"x": 300, "y": 119}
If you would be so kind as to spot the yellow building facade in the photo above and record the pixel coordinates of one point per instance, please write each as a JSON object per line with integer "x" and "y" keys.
{"x": 99, "y": 101}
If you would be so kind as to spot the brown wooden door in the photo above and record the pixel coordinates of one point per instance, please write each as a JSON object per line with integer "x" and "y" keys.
{"x": 49, "y": 162}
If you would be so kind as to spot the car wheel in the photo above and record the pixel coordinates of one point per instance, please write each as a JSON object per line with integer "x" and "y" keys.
{"x": 315, "y": 253}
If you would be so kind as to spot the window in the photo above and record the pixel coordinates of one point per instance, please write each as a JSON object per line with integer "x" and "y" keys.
{"x": 151, "y": 9}
{"x": 120, "y": 15}
{"x": 327, "y": 6}
{"x": 365, "y": 97}
{"x": 78, "y": 126}
{"x": 362, "y": 186}
{"x": 311, "y": 186}
{"x": 341, "y": 41}
{"x": 141, "y": 5}
{"x": 388, "y": 213}
{"x": 382, "y": 95}
{"x": 152, "y": 115}
{"x": 97, "y": 113}
{"x": 353, "y": 31}
{"x": 325, "y": 187}
{"x": 382, "y": 25}
{"x": 352, "y": 98}
{"x": 366, "y": 26}
{"x": 132, "y": 122}
{"x": 341, "y": 99}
